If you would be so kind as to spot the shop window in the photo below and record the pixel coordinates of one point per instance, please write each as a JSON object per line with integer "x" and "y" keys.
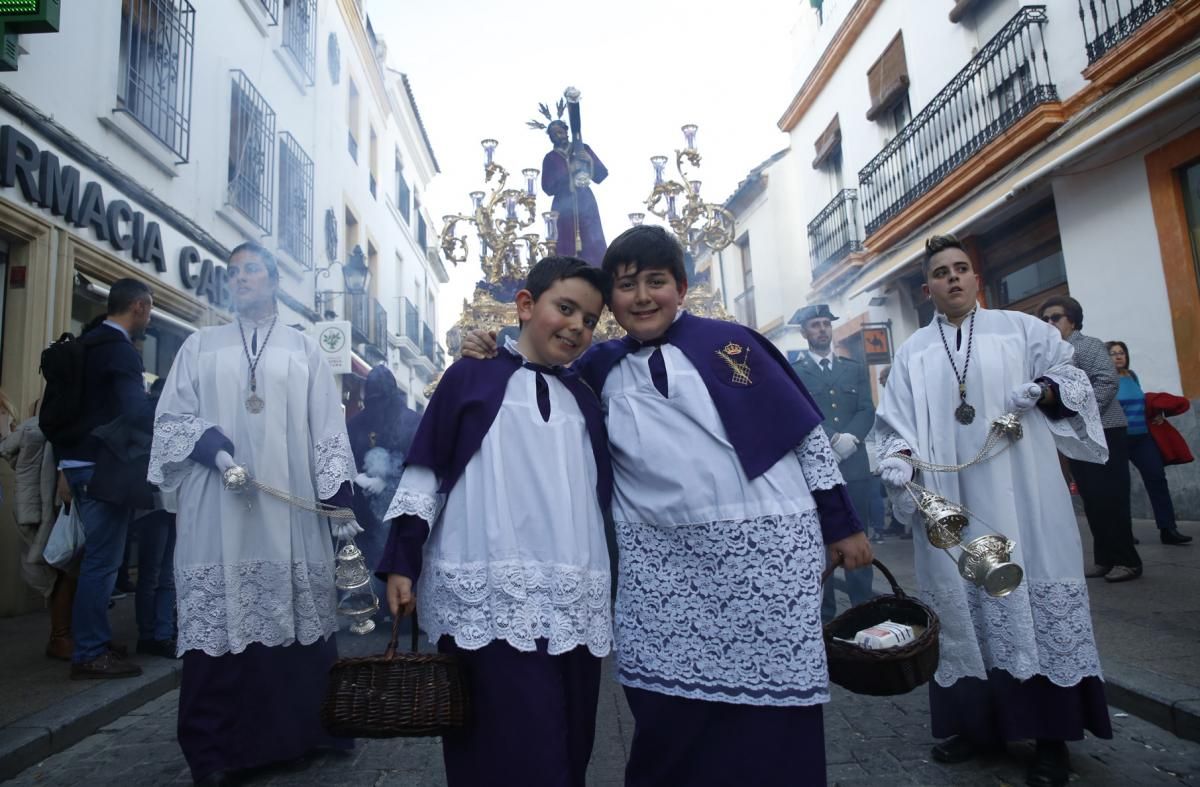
{"x": 295, "y": 200}
{"x": 1021, "y": 261}
{"x": 155, "y": 61}
{"x": 251, "y": 152}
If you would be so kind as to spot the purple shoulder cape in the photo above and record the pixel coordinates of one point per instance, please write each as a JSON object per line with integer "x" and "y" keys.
{"x": 765, "y": 409}
{"x": 466, "y": 403}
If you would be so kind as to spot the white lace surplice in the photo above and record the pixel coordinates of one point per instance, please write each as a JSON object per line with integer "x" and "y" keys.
{"x": 251, "y": 568}
{"x": 719, "y": 590}
{"x": 1044, "y": 627}
{"x": 517, "y": 553}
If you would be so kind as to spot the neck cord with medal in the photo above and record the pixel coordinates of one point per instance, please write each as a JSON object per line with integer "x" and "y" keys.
{"x": 964, "y": 413}
{"x": 254, "y": 402}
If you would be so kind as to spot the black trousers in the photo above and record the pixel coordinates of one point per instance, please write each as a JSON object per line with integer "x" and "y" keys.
{"x": 1105, "y": 492}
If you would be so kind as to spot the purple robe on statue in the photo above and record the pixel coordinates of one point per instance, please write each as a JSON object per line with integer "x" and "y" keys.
{"x": 556, "y": 182}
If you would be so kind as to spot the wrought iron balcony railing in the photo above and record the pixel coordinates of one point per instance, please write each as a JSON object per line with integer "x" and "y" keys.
{"x": 428, "y": 345}
{"x": 835, "y": 232}
{"x": 1003, "y": 83}
{"x": 410, "y": 325}
{"x": 300, "y": 35}
{"x": 155, "y": 86}
{"x": 1107, "y": 23}
{"x": 379, "y": 327}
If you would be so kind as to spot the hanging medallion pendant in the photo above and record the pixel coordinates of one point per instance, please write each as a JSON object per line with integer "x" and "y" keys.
{"x": 254, "y": 403}
{"x": 964, "y": 413}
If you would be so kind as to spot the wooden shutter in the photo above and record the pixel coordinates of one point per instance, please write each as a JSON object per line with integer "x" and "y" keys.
{"x": 887, "y": 79}
{"x": 829, "y": 141}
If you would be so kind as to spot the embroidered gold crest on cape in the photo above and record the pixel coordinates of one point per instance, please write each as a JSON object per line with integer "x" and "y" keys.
{"x": 739, "y": 366}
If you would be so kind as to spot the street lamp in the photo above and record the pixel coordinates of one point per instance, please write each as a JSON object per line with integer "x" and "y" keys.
{"x": 355, "y": 274}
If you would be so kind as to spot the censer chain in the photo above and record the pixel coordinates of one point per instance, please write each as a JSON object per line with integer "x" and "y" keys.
{"x": 994, "y": 436}
{"x": 333, "y": 512}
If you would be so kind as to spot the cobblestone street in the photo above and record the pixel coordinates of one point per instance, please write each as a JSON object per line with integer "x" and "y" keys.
{"x": 868, "y": 741}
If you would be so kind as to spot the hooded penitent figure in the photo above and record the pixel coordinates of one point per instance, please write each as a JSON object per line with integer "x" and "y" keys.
{"x": 380, "y": 436}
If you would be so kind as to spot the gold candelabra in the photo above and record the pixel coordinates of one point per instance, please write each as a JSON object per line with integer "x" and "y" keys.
{"x": 694, "y": 221}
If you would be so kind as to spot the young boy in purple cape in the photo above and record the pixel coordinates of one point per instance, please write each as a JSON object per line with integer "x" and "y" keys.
{"x": 499, "y": 519}
{"x": 725, "y": 495}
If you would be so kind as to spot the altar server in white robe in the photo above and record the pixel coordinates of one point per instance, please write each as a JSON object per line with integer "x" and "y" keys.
{"x": 254, "y": 575}
{"x": 1025, "y": 665}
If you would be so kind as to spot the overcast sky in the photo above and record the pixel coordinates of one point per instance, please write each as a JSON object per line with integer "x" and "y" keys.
{"x": 478, "y": 69}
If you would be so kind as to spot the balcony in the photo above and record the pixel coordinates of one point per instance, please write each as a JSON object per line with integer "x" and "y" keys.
{"x": 410, "y": 331}
{"x": 368, "y": 319}
{"x": 1107, "y": 23}
{"x": 835, "y": 233}
{"x": 1004, "y": 82}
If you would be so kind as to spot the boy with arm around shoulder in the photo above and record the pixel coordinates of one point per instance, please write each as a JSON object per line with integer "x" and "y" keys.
{"x": 726, "y": 492}
{"x": 498, "y": 520}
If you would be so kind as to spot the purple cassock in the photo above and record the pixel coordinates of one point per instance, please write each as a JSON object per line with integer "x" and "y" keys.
{"x": 570, "y": 201}
{"x": 718, "y": 626}
{"x": 533, "y": 708}
{"x": 259, "y": 707}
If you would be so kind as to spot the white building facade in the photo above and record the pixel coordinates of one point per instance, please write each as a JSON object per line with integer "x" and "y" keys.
{"x": 147, "y": 138}
{"x": 1059, "y": 140}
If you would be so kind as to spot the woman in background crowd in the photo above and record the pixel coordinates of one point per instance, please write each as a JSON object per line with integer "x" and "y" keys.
{"x": 1143, "y": 451}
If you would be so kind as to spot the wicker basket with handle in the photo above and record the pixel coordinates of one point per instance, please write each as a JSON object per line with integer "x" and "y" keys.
{"x": 889, "y": 671}
{"x": 398, "y": 694}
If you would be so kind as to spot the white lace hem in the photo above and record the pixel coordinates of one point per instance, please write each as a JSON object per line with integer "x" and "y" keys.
{"x": 1082, "y": 435}
{"x": 818, "y": 461}
{"x": 518, "y": 602}
{"x": 1041, "y": 628}
{"x": 418, "y": 504}
{"x": 225, "y": 608}
{"x": 726, "y": 611}
{"x": 175, "y": 437}
{"x": 334, "y": 464}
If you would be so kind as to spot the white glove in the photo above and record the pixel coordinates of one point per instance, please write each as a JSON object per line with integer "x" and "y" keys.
{"x": 224, "y": 461}
{"x": 1024, "y": 397}
{"x": 895, "y": 472}
{"x": 344, "y": 528}
{"x": 369, "y": 483}
{"x": 844, "y": 445}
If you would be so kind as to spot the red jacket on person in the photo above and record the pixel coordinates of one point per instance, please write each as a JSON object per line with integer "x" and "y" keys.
{"x": 1171, "y": 445}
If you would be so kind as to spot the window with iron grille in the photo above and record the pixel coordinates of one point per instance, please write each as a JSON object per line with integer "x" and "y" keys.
{"x": 251, "y": 152}
{"x": 300, "y": 35}
{"x": 155, "y": 82}
{"x": 272, "y": 9}
{"x": 295, "y": 200}
{"x": 403, "y": 193}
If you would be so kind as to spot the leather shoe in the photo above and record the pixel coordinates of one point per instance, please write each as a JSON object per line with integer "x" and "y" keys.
{"x": 106, "y": 665}
{"x": 1173, "y": 537}
{"x": 1051, "y": 766}
{"x": 1123, "y": 574}
{"x": 157, "y": 647}
{"x": 959, "y": 748}
{"x": 1097, "y": 571}
{"x": 60, "y": 647}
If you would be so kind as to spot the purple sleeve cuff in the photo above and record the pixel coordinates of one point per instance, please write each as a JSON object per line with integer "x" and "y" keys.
{"x": 402, "y": 555}
{"x": 210, "y": 443}
{"x": 1058, "y": 410}
{"x": 838, "y": 518}
{"x": 343, "y": 498}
